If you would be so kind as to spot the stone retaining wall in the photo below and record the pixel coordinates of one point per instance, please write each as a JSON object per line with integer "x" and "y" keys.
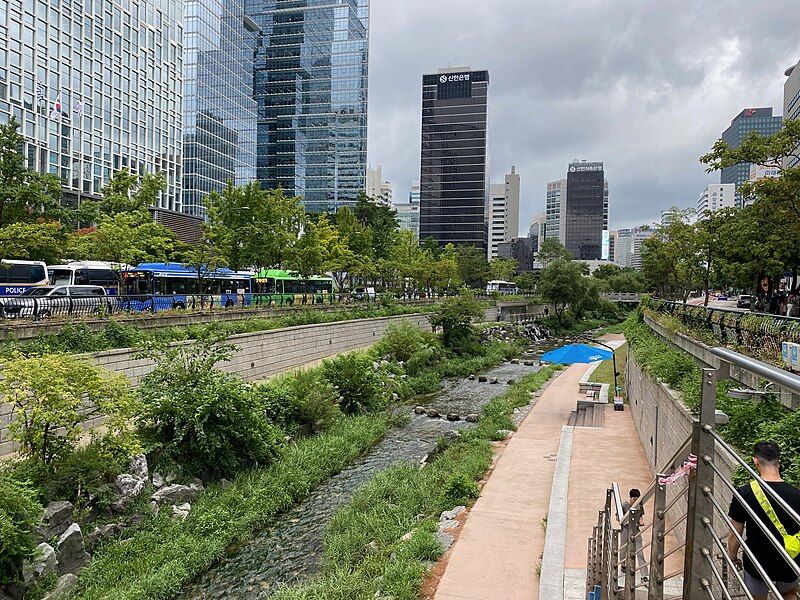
{"x": 262, "y": 354}
{"x": 663, "y": 424}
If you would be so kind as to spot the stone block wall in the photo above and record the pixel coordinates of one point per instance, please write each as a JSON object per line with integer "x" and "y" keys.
{"x": 261, "y": 355}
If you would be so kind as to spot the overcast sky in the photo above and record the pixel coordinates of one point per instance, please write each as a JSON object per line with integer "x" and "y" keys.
{"x": 646, "y": 86}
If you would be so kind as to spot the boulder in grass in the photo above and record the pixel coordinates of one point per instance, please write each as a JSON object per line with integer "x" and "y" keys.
{"x": 137, "y": 466}
{"x": 71, "y": 552}
{"x": 43, "y": 562}
{"x": 472, "y": 418}
{"x": 64, "y": 584}
{"x": 177, "y": 493}
{"x": 419, "y": 410}
{"x": 56, "y": 518}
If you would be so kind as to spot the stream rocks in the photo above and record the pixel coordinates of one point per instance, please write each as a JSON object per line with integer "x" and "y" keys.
{"x": 177, "y": 493}
{"x": 72, "y": 555}
{"x": 419, "y": 410}
{"x": 55, "y": 520}
{"x": 453, "y": 417}
{"x": 42, "y": 563}
{"x": 432, "y": 413}
{"x": 447, "y": 523}
{"x": 472, "y": 418}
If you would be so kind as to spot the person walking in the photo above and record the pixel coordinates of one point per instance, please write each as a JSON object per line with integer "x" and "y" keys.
{"x": 634, "y": 495}
{"x": 766, "y": 457}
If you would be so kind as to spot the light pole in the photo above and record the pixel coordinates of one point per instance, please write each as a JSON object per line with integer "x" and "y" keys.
{"x": 613, "y": 358}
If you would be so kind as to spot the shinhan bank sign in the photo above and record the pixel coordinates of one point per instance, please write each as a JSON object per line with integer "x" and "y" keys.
{"x": 454, "y": 77}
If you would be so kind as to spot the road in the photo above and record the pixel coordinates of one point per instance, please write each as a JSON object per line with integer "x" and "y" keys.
{"x": 714, "y": 303}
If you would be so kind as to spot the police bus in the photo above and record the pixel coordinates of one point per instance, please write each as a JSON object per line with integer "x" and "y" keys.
{"x": 18, "y": 276}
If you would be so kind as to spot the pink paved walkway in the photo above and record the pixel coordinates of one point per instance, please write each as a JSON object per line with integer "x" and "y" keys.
{"x": 496, "y": 554}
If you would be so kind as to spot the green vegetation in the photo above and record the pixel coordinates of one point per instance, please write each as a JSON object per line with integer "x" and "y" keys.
{"x": 605, "y": 372}
{"x": 455, "y": 317}
{"x": 19, "y": 513}
{"x": 750, "y": 421}
{"x": 367, "y": 551}
{"x": 78, "y": 338}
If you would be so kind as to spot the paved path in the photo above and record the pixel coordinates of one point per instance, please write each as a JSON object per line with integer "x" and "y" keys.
{"x": 500, "y": 546}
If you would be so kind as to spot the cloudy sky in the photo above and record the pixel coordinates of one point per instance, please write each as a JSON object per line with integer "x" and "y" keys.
{"x": 646, "y": 86}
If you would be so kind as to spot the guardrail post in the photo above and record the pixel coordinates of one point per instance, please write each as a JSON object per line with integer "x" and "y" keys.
{"x": 630, "y": 554}
{"x": 606, "y": 548}
{"x": 695, "y": 567}
{"x": 613, "y": 573}
{"x": 656, "y": 590}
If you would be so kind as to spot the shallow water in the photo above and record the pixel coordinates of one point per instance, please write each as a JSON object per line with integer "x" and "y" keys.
{"x": 290, "y": 551}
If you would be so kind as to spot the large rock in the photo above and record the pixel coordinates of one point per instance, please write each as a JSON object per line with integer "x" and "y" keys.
{"x": 451, "y": 515}
{"x": 473, "y": 417}
{"x": 433, "y": 413}
{"x": 181, "y": 511}
{"x": 56, "y": 518}
{"x": 63, "y": 586}
{"x": 158, "y": 480}
{"x": 72, "y": 555}
{"x": 43, "y": 562}
{"x": 103, "y": 533}
{"x": 130, "y": 487}
{"x": 453, "y": 417}
{"x": 419, "y": 410}
{"x": 138, "y": 466}
{"x": 177, "y": 493}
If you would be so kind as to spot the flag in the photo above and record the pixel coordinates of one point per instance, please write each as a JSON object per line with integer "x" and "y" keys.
{"x": 39, "y": 91}
{"x": 78, "y": 107}
{"x": 56, "y": 112}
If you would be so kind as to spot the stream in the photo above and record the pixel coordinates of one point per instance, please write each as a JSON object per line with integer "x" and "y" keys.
{"x": 290, "y": 551}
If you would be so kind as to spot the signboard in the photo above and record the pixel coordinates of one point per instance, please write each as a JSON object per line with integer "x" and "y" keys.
{"x": 585, "y": 166}
{"x": 606, "y": 245}
{"x": 760, "y": 172}
{"x": 454, "y": 77}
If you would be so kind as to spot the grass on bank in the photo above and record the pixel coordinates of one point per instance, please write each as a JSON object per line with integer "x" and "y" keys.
{"x": 604, "y": 373}
{"x": 366, "y": 555}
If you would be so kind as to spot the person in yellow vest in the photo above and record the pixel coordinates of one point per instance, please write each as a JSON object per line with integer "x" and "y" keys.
{"x": 766, "y": 457}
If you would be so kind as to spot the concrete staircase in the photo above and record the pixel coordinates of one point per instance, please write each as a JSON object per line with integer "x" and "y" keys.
{"x": 588, "y": 414}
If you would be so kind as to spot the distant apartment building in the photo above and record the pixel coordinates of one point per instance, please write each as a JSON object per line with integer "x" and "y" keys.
{"x": 408, "y": 217}
{"x": 716, "y": 197}
{"x": 639, "y": 237}
{"x": 759, "y": 120}
{"x": 612, "y": 244}
{"x": 453, "y": 164}
{"x": 556, "y": 190}
{"x": 538, "y": 230}
{"x": 791, "y": 101}
{"x": 413, "y": 194}
{"x": 503, "y": 215}
{"x": 623, "y": 247}
{"x": 376, "y": 187}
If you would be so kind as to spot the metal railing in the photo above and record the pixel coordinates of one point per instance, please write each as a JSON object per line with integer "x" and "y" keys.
{"x": 759, "y": 333}
{"x": 696, "y": 509}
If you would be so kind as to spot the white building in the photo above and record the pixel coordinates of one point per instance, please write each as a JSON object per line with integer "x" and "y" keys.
{"x": 413, "y": 194}
{"x": 503, "y": 212}
{"x": 791, "y": 99}
{"x": 556, "y": 209}
{"x": 623, "y": 247}
{"x": 639, "y": 237}
{"x": 716, "y": 197}
{"x": 538, "y": 230}
{"x": 376, "y": 186}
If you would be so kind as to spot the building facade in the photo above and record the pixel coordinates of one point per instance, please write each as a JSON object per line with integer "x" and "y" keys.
{"x": 791, "y": 101}
{"x": 408, "y": 217}
{"x": 538, "y": 230}
{"x": 639, "y": 237}
{"x": 96, "y": 87}
{"x": 376, "y": 187}
{"x": 623, "y": 247}
{"x": 584, "y": 228}
{"x": 556, "y": 190}
{"x": 716, "y": 197}
{"x": 413, "y": 194}
{"x": 759, "y": 120}
{"x": 219, "y": 111}
{"x": 503, "y": 217}
{"x": 453, "y": 168}
{"x": 310, "y": 86}
{"x": 521, "y": 250}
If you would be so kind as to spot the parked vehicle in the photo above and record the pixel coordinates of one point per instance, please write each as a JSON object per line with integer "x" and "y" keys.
{"x": 743, "y": 301}
{"x": 279, "y": 287}
{"x": 17, "y": 276}
{"x": 86, "y": 273}
{"x": 504, "y": 287}
{"x": 48, "y": 301}
{"x": 363, "y": 293}
{"x": 722, "y": 297}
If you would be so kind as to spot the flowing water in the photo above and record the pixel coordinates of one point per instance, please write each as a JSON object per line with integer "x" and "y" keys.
{"x": 291, "y": 549}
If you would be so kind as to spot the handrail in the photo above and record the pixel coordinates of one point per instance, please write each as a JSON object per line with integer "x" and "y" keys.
{"x": 731, "y": 311}
{"x": 617, "y": 502}
{"x": 757, "y": 367}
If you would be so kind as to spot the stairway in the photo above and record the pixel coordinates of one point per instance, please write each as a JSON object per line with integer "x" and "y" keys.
{"x": 588, "y": 414}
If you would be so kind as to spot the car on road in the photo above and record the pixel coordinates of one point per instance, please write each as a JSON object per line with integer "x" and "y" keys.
{"x": 722, "y": 297}
{"x": 59, "y": 300}
{"x": 364, "y": 294}
{"x": 743, "y": 301}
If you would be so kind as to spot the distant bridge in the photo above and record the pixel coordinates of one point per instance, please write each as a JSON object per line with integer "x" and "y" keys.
{"x": 623, "y": 297}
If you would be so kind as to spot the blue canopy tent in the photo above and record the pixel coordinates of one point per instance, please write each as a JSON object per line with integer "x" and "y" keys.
{"x": 576, "y": 353}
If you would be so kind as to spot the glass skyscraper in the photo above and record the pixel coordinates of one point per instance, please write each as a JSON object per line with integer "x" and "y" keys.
{"x": 454, "y": 172}
{"x": 310, "y": 86}
{"x": 219, "y": 111}
{"x": 96, "y": 86}
{"x": 584, "y": 224}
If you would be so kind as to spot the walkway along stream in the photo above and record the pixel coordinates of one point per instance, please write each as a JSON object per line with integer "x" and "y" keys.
{"x": 290, "y": 551}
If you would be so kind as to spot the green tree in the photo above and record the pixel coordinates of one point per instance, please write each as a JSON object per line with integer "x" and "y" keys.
{"x": 25, "y": 195}
{"x": 561, "y": 284}
{"x": 503, "y": 268}
{"x": 473, "y": 268}
{"x": 253, "y": 227}
{"x": 381, "y": 219}
{"x": 526, "y": 281}
{"x": 52, "y": 395}
{"x": 33, "y": 241}
{"x": 124, "y": 192}
{"x": 672, "y": 259}
{"x": 202, "y": 260}
{"x": 551, "y": 249}
{"x": 455, "y": 317}
{"x": 607, "y": 271}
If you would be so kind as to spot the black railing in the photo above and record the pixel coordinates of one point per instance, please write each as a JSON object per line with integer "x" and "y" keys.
{"x": 761, "y": 334}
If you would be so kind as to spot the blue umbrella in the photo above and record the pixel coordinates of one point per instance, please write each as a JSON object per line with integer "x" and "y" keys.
{"x": 576, "y": 353}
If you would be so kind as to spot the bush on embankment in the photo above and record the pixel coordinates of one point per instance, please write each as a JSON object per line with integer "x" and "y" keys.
{"x": 367, "y": 551}
{"x": 750, "y": 421}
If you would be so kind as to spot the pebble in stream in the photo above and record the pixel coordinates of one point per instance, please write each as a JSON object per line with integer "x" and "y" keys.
{"x": 290, "y": 551}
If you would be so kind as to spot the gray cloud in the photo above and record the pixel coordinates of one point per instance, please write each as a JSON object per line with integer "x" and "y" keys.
{"x": 644, "y": 85}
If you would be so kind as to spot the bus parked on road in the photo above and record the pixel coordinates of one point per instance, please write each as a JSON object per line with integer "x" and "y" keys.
{"x": 165, "y": 286}
{"x": 17, "y": 276}
{"x": 279, "y": 287}
{"x": 504, "y": 287}
{"x": 86, "y": 273}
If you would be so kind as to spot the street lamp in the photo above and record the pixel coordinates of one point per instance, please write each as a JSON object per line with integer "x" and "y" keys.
{"x": 613, "y": 358}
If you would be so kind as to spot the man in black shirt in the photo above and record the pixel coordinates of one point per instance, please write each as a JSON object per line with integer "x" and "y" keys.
{"x": 766, "y": 457}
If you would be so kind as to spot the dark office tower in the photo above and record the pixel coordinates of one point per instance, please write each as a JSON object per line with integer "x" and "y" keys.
{"x": 750, "y": 119}
{"x": 311, "y": 88}
{"x": 453, "y": 182}
{"x": 585, "y": 228}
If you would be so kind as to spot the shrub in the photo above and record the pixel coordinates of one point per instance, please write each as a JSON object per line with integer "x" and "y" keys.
{"x": 403, "y": 341}
{"x": 276, "y": 399}
{"x": 315, "y": 400}
{"x": 455, "y": 317}
{"x": 460, "y": 489}
{"x": 19, "y": 512}
{"x": 356, "y": 381}
{"x": 208, "y": 422}
{"x": 52, "y": 395}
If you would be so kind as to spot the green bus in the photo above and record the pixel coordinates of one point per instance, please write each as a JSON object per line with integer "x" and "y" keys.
{"x": 277, "y": 287}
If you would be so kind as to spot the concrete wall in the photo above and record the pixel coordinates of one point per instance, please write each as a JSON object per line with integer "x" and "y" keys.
{"x": 261, "y": 354}
{"x": 663, "y": 424}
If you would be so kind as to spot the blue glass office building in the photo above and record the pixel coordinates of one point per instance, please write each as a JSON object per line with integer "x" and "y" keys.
{"x": 219, "y": 111}
{"x": 310, "y": 85}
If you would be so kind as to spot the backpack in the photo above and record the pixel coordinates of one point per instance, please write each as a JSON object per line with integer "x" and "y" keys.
{"x": 790, "y": 542}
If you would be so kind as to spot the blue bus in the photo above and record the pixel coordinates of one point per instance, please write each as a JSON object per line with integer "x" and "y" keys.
{"x": 168, "y": 286}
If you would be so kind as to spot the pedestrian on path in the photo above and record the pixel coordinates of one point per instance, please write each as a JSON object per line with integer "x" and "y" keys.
{"x": 766, "y": 456}
{"x": 634, "y": 495}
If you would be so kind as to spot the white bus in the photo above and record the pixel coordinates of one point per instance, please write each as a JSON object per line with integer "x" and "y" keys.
{"x": 86, "y": 273}
{"x": 16, "y": 276}
{"x": 504, "y": 287}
